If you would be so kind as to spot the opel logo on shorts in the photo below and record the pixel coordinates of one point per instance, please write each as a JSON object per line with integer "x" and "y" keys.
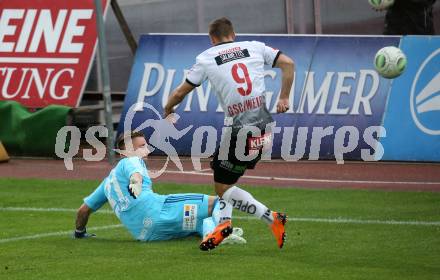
{"x": 425, "y": 95}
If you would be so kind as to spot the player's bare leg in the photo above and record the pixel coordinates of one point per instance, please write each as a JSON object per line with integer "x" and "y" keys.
{"x": 211, "y": 203}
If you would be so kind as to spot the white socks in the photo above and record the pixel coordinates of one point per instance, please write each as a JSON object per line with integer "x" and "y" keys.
{"x": 240, "y": 199}
{"x": 225, "y": 213}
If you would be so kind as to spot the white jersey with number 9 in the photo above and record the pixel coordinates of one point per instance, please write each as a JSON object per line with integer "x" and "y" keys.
{"x": 236, "y": 73}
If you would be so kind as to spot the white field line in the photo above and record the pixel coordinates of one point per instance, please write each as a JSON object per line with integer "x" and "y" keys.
{"x": 33, "y": 209}
{"x": 56, "y": 233}
{"x": 310, "y": 180}
{"x": 339, "y": 220}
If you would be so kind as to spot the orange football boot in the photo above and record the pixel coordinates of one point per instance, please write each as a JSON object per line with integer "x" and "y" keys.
{"x": 216, "y": 237}
{"x": 277, "y": 227}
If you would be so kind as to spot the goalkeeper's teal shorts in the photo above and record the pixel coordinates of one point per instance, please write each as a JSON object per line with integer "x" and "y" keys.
{"x": 181, "y": 215}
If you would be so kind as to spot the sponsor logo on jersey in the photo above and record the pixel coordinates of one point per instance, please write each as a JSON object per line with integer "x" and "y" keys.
{"x": 189, "y": 217}
{"x": 228, "y": 57}
{"x": 148, "y": 223}
{"x": 257, "y": 143}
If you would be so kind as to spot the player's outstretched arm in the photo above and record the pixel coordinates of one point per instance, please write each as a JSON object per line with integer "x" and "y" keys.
{"x": 82, "y": 217}
{"x": 177, "y": 96}
{"x": 287, "y": 67}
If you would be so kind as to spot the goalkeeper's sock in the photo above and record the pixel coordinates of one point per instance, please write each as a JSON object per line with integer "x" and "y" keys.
{"x": 215, "y": 215}
{"x": 245, "y": 202}
{"x": 208, "y": 226}
{"x": 80, "y": 233}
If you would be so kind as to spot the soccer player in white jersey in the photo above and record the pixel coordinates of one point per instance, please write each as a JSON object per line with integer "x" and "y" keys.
{"x": 236, "y": 73}
{"x": 147, "y": 215}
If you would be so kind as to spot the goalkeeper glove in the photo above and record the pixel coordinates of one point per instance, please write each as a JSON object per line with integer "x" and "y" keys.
{"x": 78, "y": 234}
{"x": 135, "y": 188}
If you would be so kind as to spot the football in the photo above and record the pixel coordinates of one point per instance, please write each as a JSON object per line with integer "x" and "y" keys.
{"x": 390, "y": 62}
{"x": 381, "y": 4}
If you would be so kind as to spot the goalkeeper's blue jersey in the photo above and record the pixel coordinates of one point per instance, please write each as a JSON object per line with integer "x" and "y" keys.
{"x": 151, "y": 216}
{"x": 114, "y": 189}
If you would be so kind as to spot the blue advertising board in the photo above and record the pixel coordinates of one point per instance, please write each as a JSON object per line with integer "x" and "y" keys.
{"x": 412, "y": 119}
{"x": 335, "y": 86}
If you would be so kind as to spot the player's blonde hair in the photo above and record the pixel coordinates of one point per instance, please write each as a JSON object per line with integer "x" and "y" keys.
{"x": 220, "y": 28}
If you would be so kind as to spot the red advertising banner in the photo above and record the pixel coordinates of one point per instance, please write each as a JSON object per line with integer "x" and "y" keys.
{"x": 46, "y": 50}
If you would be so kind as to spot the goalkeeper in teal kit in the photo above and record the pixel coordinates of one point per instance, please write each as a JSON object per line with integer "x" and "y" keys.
{"x": 149, "y": 216}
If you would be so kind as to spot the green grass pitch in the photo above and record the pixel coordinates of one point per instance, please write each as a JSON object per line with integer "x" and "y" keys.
{"x": 332, "y": 234}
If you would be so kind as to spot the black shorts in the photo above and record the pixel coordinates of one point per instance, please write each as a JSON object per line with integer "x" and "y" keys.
{"x": 229, "y": 171}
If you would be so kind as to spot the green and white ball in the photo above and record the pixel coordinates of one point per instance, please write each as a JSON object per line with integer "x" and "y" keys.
{"x": 381, "y": 4}
{"x": 390, "y": 62}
